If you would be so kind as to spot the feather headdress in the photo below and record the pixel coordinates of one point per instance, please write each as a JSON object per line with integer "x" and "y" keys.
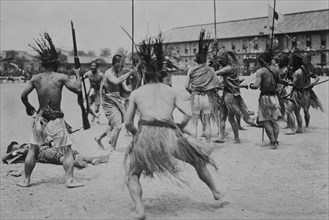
{"x": 152, "y": 54}
{"x": 46, "y": 49}
{"x": 299, "y": 60}
{"x": 203, "y": 46}
{"x": 227, "y": 57}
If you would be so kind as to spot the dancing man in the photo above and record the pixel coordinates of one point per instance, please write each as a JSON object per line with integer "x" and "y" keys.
{"x": 48, "y": 122}
{"x": 95, "y": 78}
{"x": 302, "y": 96}
{"x": 232, "y": 104}
{"x": 112, "y": 102}
{"x": 203, "y": 84}
{"x": 267, "y": 78}
{"x": 158, "y": 142}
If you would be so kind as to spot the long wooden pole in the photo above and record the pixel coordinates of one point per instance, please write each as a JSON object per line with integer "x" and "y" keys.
{"x": 215, "y": 23}
{"x": 132, "y": 28}
{"x": 272, "y": 34}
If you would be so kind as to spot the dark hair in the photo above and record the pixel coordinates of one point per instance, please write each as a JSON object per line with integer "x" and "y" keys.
{"x": 282, "y": 59}
{"x": 10, "y": 146}
{"x": 116, "y": 59}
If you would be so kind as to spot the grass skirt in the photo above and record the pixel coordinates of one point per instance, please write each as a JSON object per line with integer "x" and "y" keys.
{"x": 306, "y": 98}
{"x": 236, "y": 105}
{"x": 155, "y": 150}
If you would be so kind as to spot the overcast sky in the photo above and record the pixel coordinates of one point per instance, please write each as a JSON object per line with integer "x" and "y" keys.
{"x": 97, "y": 23}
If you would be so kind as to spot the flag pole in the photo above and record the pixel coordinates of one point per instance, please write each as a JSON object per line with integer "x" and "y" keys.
{"x": 272, "y": 34}
{"x": 215, "y": 20}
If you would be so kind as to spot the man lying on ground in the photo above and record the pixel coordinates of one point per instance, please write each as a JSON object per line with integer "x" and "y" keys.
{"x": 48, "y": 154}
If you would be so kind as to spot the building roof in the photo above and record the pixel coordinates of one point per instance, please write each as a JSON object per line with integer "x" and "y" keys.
{"x": 292, "y": 23}
{"x": 89, "y": 59}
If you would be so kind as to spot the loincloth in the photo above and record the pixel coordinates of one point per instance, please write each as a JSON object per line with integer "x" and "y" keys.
{"x": 235, "y": 105}
{"x": 113, "y": 109}
{"x": 157, "y": 146}
{"x": 49, "y": 125}
{"x": 269, "y": 108}
{"x": 205, "y": 102}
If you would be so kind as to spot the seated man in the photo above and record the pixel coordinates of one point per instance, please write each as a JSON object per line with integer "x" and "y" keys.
{"x": 48, "y": 154}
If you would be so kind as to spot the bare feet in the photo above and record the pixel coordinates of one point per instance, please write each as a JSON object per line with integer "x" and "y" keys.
{"x": 237, "y": 141}
{"x": 274, "y": 145}
{"x": 298, "y": 131}
{"x": 98, "y": 141}
{"x": 111, "y": 148}
{"x": 73, "y": 184}
{"x": 100, "y": 159}
{"x": 219, "y": 141}
{"x": 242, "y": 128}
{"x": 25, "y": 183}
{"x": 220, "y": 195}
{"x": 139, "y": 215}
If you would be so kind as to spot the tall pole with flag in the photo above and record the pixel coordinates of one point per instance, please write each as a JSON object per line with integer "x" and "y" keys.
{"x": 215, "y": 23}
{"x": 273, "y": 17}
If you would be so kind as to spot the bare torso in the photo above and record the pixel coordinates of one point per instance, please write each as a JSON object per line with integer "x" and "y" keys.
{"x": 49, "y": 88}
{"x": 107, "y": 85}
{"x": 95, "y": 79}
{"x": 268, "y": 81}
{"x": 300, "y": 80}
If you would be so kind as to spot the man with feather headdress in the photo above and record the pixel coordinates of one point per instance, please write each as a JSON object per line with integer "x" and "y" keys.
{"x": 48, "y": 123}
{"x": 203, "y": 84}
{"x": 267, "y": 78}
{"x": 302, "y": 96}
{"x": 232, "y": 104}
{"x": 158, "y": 142}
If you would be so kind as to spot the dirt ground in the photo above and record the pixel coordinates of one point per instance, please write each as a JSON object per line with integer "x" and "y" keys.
{"x": 288, "y": 183}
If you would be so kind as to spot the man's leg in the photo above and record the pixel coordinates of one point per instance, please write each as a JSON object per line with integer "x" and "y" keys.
{"x": 135, "y": 190}
{"x": 98, "y": 139}
{"x": 269, "y": 131}
{"x": 290, "y": 117}
{"x": 194, "y": 121}
{"x": 68, "y": 164}
{"x": 222, "y": 119}
{"x": 114, "y": 137}
{"x": 307, "y": 116}
{"x": 207, "y": 129}
{"x": 235, "y": 127}
{"x": 299, "y": 120}
{"x": 276, "y": 130}
{"x": 29, "y": 165}
{"x": 206, "y": 177}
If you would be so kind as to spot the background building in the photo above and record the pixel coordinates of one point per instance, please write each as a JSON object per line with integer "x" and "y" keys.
{"x": 307, "y": 31}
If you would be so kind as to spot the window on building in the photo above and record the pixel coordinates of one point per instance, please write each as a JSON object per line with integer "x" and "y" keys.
{"x": 244, "y": 45}
{"x": 232, "y": 46}
{"x": 323, "y": 41}
{"x": 323, "y": 59}
{"x": 309, "y": 41}
{"x": 194, "y": 50}
{"x": 186, "y": 51}
{"x": 178, "y": 51}
{"x": 256, "y": 45}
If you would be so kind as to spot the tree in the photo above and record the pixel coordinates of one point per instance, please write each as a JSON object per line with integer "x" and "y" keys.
{"x": 121, "y": 51}
{"x": 91, "y": 53}
{"x": 105, "y": 52}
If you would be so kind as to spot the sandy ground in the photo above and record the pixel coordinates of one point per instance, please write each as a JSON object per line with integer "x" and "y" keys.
{"x": 288, "y": 183}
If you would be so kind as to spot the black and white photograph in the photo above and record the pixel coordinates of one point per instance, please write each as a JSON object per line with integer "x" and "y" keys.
{"x": 164, "y": 109}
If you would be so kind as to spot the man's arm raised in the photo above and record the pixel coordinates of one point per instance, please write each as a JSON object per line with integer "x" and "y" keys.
{"x": 73, "y": 86}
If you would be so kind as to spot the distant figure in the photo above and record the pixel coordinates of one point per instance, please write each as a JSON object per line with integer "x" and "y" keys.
{"x": 203, "y": 84}
{"x": 48, "y": 122}
{"x": 269, "y": 113}
{"x": 302, "y": 96}
{"x": 95, "y": 78}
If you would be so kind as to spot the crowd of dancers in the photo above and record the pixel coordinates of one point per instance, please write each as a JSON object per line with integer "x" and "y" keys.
{"x": 158, "y": 142}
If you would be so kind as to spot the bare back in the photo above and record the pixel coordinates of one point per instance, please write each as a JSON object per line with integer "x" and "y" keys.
{"x": 157, "y": 101}
{"x": 268, "y": 80}
{"x": 49, "y": 86}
